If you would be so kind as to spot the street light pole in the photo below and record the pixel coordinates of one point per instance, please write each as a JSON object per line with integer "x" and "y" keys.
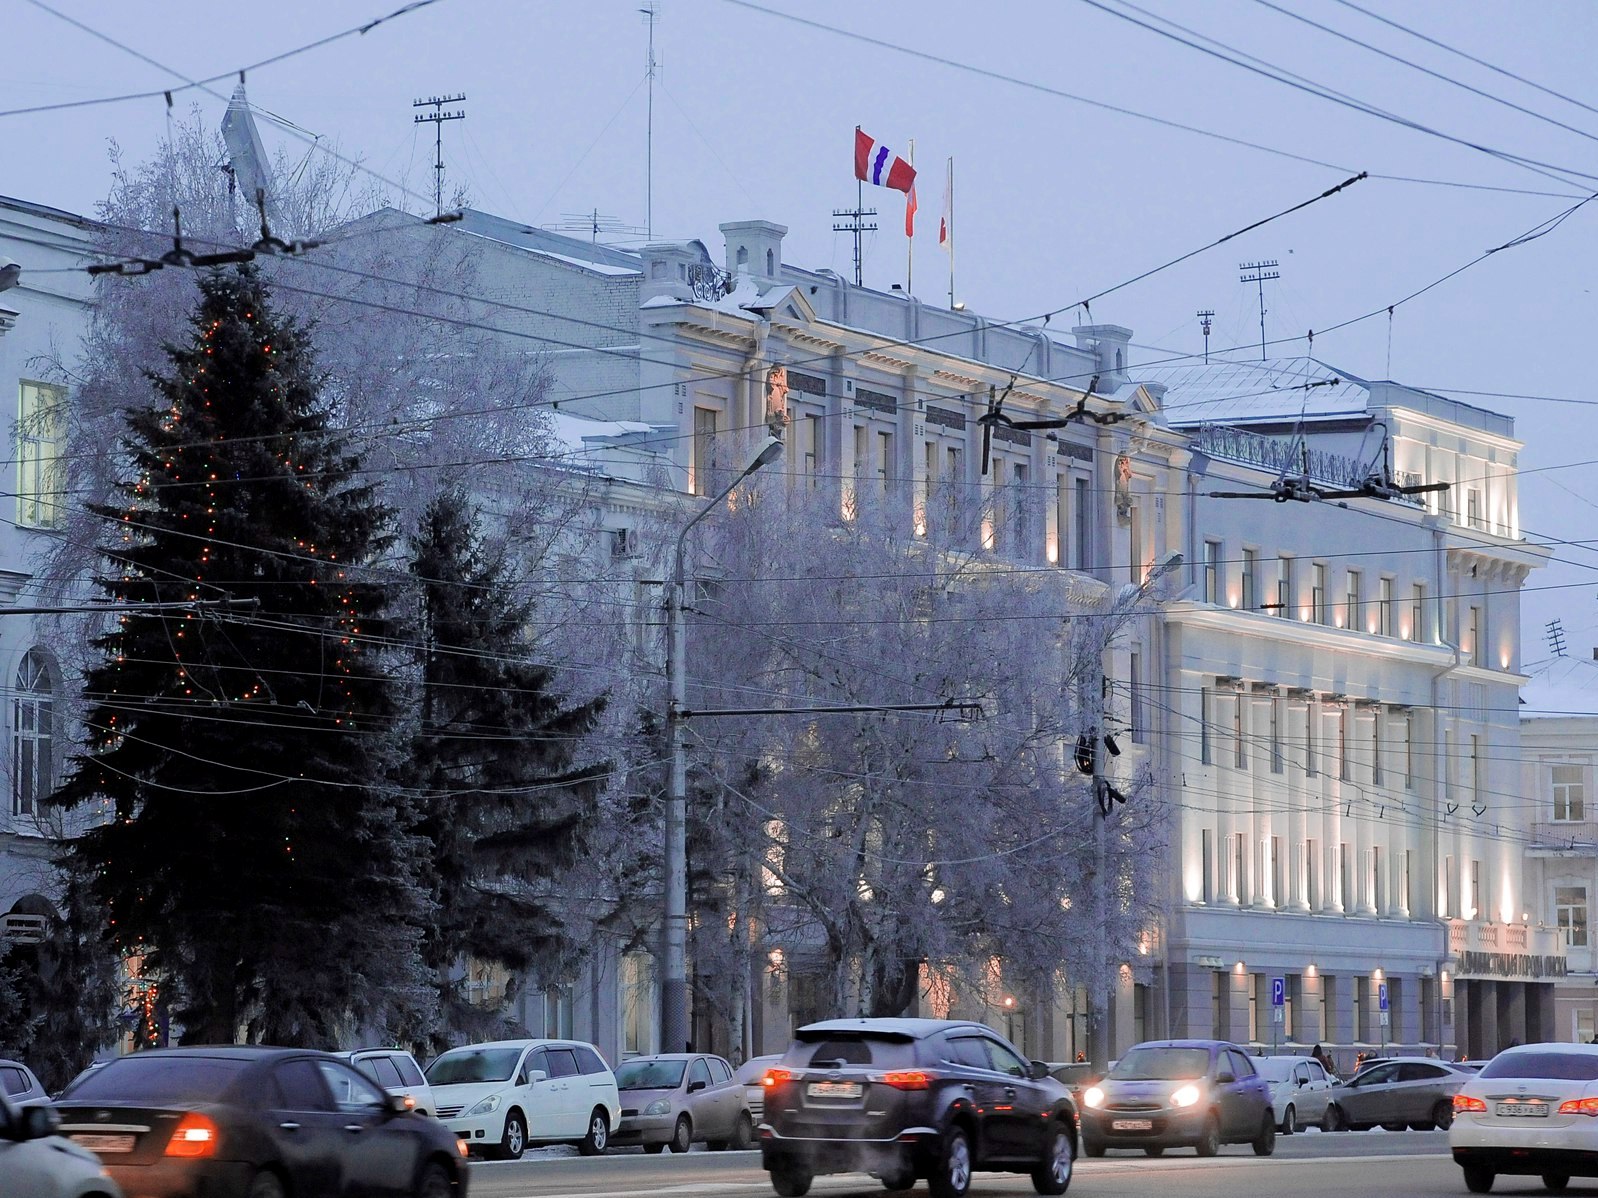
{"x": 674, "y": 947}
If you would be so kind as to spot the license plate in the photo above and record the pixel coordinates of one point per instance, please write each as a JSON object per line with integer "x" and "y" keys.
{"x": 835, "y": 1090}
{"x": 1132, "y": 1125}
{"x": 104, "y": 1143}
{"x": 1521, "y": 1110}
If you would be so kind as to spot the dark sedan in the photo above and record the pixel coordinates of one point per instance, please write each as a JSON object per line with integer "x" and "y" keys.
{"x": 249, "y": 1122}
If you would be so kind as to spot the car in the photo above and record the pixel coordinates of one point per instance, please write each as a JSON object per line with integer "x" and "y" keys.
{"x": 1401, "y": 1092}
{"x": 908, "y": 1098}
{"x": 1197, "y": 1094}
{"x": 1532, "y": 1110}
{"x": 503, "y": 1095}
{"x": 19, "y": 1084}
{"x": 38, "y": 1163}
{"x": 671, "y": 1100}
{"x": 239, "y": 1121}
{"x": 751, "y": 1075}
{"x": 1300, "y": 1090}
{"x": 397, "y": 1072}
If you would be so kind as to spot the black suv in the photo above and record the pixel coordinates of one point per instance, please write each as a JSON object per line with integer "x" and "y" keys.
{"x": 908, "y": 1098}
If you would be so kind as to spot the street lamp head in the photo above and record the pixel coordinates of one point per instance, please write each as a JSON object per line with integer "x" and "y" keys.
{"x": 770, "y": 451}
{"x": 10, "y": 273}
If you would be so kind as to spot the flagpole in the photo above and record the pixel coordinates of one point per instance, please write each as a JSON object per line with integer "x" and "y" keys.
{"x": 951, "y": 232}
{"x": 909, "y": 241}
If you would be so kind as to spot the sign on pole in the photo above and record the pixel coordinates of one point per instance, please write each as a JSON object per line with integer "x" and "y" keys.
{"x": 1381, "y": 997}
{"x": 1279, "y": 993}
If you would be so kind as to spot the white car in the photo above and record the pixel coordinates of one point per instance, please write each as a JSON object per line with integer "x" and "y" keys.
{"x": 1300, "y": 1090}
{"x": 397, "y": 1072}
{"x": 1532, "y": 1110}
{"x": 502, "y": 1096}
{"x": 37, "y": 1163}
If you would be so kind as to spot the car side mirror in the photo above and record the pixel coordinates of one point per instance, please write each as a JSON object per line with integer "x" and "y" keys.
{"x": 37, "y": 1122}
{"x": 1037, "y": 1071}
{"x": 1224, "y": 1079}
{"x": 695, "y": 1086}
{"x": 1302, "y": 1082}
{"x": 536, "y": 1075}
{"x": 395, "y": 1104}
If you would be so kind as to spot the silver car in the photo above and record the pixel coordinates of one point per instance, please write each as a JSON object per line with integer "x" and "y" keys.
{"x": 37, "y": 1163}
{"x": 1300, "y": 1091}
{"x": 673, "y": 1099}
{"x": 397, "y": 1072}
{"x": 751, "y": 1075}
{"x": 19, "y": 1084}
{"x": 1404, "y": 1092}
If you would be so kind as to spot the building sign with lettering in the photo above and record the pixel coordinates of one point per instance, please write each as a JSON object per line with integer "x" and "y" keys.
{"x": 1475, "y": 962}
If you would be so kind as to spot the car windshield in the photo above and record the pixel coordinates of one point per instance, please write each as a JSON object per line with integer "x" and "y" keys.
{"x": 1161, "y": 1064}
{"x": 156, "y": 1079}
{"x": 462, "y": 1066}
{"x": 650, "y": 1075}
{"x": 1563, "y": 1066}
{"x": 1272, "y": 1069}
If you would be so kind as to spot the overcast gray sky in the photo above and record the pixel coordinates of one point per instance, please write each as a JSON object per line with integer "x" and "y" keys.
{"x": 754, "y": 117}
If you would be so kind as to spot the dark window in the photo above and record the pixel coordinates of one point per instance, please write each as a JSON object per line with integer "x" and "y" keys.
{"x": 1003, "y": 1059}
{"x": 562, "y": 1063}
{"x": 699, "y": 1072}
{"x": 720, "y": 1071}
{"x": 588, "y": 1061}
{"x": 1378, "y": 1076}
{"x": 409, "y": 1073}
{"x": 1241, "y": 1066}
{"x": 894, "y": 1052}
{"x": 537, "y": 1060}
{"x": 15, "y": 1081}
{"x": 156, "y": 1080}
{"x": 1563, "y": 1066}
{"x": 967, "y": 1050}
{"x": 466, "y": 1065}
{"x": 844, "y": 1052}
{"x": 1419, "y": 1073}
{"x": 300, "y": 1087}
{"x": 351, "y": 1091}
{"x": 382, "y": 1071}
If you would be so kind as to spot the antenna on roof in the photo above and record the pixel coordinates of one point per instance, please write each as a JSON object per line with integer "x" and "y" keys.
{"x": 651, "y": 14}
{"x": 1261, "y": 273}
{"x": 1556, "y": 637}
{"x": 436, "y": 118}
{"x": 596, "y": 222}
{"x": 1205, "y": 316}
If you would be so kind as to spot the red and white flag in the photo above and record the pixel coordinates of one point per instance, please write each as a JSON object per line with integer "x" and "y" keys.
{"x": 910, "y": 212}
{"x": 874, "y": 163}
{"x": 946, "y": 218}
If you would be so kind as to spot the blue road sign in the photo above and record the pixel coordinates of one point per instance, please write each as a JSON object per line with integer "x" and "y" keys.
{"x": 1279, "y": 992}
{"x": 1381, "y": 996}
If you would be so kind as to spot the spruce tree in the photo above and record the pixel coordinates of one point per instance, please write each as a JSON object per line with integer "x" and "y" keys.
{"x": 240, "y": 841}
{"x": 499, "y": 757}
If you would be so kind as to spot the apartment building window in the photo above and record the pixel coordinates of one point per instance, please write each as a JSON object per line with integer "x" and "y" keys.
{"x": 1353, "y": 605}
{"x": 1345, "y": 769}
{"x": 1473, "y": 508}
{"x": 32, "y": 735}
{"x": 1384, "y": 606}
{"x": 810, "y": 450}
{"x": 1278, "y": 894}
{"x": 1345, "y": 875}
{"x": 1084, "y": 525}
{"x": 884, "y": 459}
{"x": 41, "y": 431}
{"x": 1276, "y": 734}
{"x": 1317, "y": 594}
{"x": 1240, "y": 868}
{"x": 1135, "y": 697}
{"x": 1283, "y": 604}
{"x": 1409, "y": 750}
{"x": 1448, "y": 766}
{"x": 1212, "y": 571}
{"x": 1239, "y": 749}
{"x": 1451, "y": 887}
{"x": 1376, "y": 747}
{"x": 1570, "y": 793}
{"x": 1570, "y": 914}
{"x": 1250, "y": 579}
{"x": 704, "y": 449}
{"x": 1312, "y": 887}
{"x": 1477, "y": 766}
{"x": 1312, "y": 715}
{"x": 1378, "y": 880}
{"x": 1207, "y": 866}
{"x": 1478, "y": 641}
{"x": 1475, "y": 911}
{"x": 1417, "y": 613}
{"x": 1206, "y": 718}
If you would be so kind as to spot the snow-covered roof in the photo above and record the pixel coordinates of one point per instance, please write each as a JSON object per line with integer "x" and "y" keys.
{"x": 576, "y": 434}
{"x": 1561, "y": 686}
{"x": 1239, "y": 392}
{"x": 574, "y": 251}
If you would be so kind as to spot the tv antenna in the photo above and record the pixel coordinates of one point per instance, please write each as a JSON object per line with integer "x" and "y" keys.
{"x": 1260, "y": 273}
{"x": 855, "y": 223}
{"x": 436, "y": 118}
{"x": 594, "y": 223}
{"x": 1556, "y": 637}
{"x": 651, "y": 14}
{"x": 1205, "y": 316}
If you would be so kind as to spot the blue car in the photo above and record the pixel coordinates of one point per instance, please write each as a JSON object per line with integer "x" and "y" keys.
{"x": 1195, "y": 1094}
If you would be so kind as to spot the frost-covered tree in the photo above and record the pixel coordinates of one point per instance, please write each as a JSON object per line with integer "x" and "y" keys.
{"x": 889, "y": 853}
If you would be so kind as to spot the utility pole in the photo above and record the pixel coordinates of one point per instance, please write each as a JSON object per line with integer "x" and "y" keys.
{"x": 436, "y": 118}
{"x": 1205, "y": 316}
{"x": 856, "y": 225}
{"x": 1260, "y": 273}
{"x": 651, "y": 15}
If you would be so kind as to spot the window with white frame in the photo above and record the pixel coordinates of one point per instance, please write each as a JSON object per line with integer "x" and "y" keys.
{"x": 32, "y": 735}
{"x": 1250, "y": 569}
{"x": 41, "y": 429}
{"x": 704, "y": 450}
{"x": 637, "y": 1003}
{"x": 1384, "y": 606}
{"x": 1570, "y": 914}
{"x": 1212, "y": 571}
{"x": 1570, "y": 792}
{"x": 1354, "y": 601}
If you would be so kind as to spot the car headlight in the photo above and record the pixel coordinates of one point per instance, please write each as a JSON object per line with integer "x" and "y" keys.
{"x": 661, "y": 1106}
{"x": 1093, "y": 1097}
{"x": 486, "y": 1106}
{"x": 1185, "y": 1095}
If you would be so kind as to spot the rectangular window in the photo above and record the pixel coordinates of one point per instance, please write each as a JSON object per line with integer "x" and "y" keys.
{"x": 1450, "y": 887}
{"x": 1354, "y": 604}
{"x": 1478, "y": 765}
{"x": 1475, "y": 911}
{"x": 1206, "y": 719}
{"x": 1278, "y": 895}
{"x": 1250, "y": 579}
{"x": 1312, "y": 715}
{"x": 1084, "y": 525}
{"x": 1570, "y": 795}
{"x": 1283, "y": 601}
{"x": 1362, "y": 1028}
{"x": 1345, "y": 876}
{"x": 637, "y": 1002}
{"x": 1384, "y": 600}
{"x": 1317, "y": 595}
{"x": 41, "y": 430}
{"x": 1478, "y": 639}
{"x": 1135, "y": 697}
{"x": 1276, "y": 734}
{"x": 1207, "y": 866}
{"x": 1062, "y": 519}
{"x": 1473, "y": 508}
{"x": 1407, "y": 886}
{"x": 1312, "y": 881}
{"x": 1212, "y": 571}
{"x": 1239, "y": 749}
{"x": 884, "y": 459}
{"x": 1020, "y": 529}
{"x": 1345, "y": 769}
{"x": 1570, "y": 912}
{"x": 1134, "y": 551}
{"x": 1378, "y": 881}
{"x": 1328, "y": 1005}
{"x": 862, "y": 452}
{"x": 1240, "y": 868}
{"x": 1448, "y": 766}
{"x": 810, "y": 449}
{"x": 1376, "y": 747}
{"x": 1409, "y": 750}
{"x": 1417, "y": 613}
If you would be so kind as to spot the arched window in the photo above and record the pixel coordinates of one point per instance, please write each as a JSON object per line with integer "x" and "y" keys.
{"x": 1120, "y": 359}
{"x": 743, "y": 255}
{"x": 771, "y": 263}
{"x": 32, "y": 721}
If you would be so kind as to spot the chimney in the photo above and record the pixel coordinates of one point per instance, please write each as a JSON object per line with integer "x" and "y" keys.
{"x": 1107, "y": 343}
{"x": 754, "y": 248}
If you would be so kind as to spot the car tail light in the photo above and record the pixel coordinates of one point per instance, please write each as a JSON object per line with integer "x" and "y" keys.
{"x": 908, "y": 1079}
{"x": 463, "y": 1148}
{"x": 775, "y": 1077}
{"x": 1464, "y": 1102}
{"x": 1579, "y": 1106}
{"x": 195, "y": 1135}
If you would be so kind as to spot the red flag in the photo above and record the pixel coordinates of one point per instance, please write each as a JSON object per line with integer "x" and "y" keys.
{"x": 874, "y": 163}
{"x": 910, "y": 212}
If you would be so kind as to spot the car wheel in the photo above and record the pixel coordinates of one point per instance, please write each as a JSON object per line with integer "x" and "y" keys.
{"x": 266, "y": 1185}
{"x": 435, "y": 1183}
{"x": 791, "y": 1181}
{"x": 1091, "y": 1146}
{"x": 1443, "y": 1115}
{"x": 1556, "y": 1183}
{"x": 951, "y": 1177}
{"x": 1154, "y": 1150}
{"x": 1479, "y": 1180}
{"x": 1053, "y": 1174}
{"x": 1332, "y": 1118}
{"x": 514, "y": 1142}
{"x": 654, "y": 1149}
{"x": 743, "y": 1133}
{"x": 1289, "y": 1120}
{"x": 682, "y": 1136}
{"x": 1209, "y": 1142}
{"x": 905, "y": 1180}
{"x": 598, "y": 1137}
{"x": 1265, "y": 1143}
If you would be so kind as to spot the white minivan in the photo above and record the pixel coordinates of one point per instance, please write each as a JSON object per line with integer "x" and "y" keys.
{"x": 502, "y": 1096}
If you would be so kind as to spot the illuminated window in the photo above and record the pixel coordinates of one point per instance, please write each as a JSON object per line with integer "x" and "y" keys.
{"x": 1354, "y": 601}
{"x": 32, "y": 740}
{"x": 1212, "y": 571}
{"x": 1384, "y": 606}
{"x": 1317, "y": 595}
{"x": 41, "y": 431}
{"x": 1570, "y": 793}
{"x": 1570, "y": 913}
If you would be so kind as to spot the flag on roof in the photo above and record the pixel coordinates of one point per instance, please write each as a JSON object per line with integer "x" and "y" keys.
{"x": 874, "y": 163}
{"x": 946, "y": 219}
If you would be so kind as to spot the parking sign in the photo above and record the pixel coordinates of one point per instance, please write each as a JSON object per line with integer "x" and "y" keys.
{"x": 1279, "y": 992}
{"x": 1381, "y": 997}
